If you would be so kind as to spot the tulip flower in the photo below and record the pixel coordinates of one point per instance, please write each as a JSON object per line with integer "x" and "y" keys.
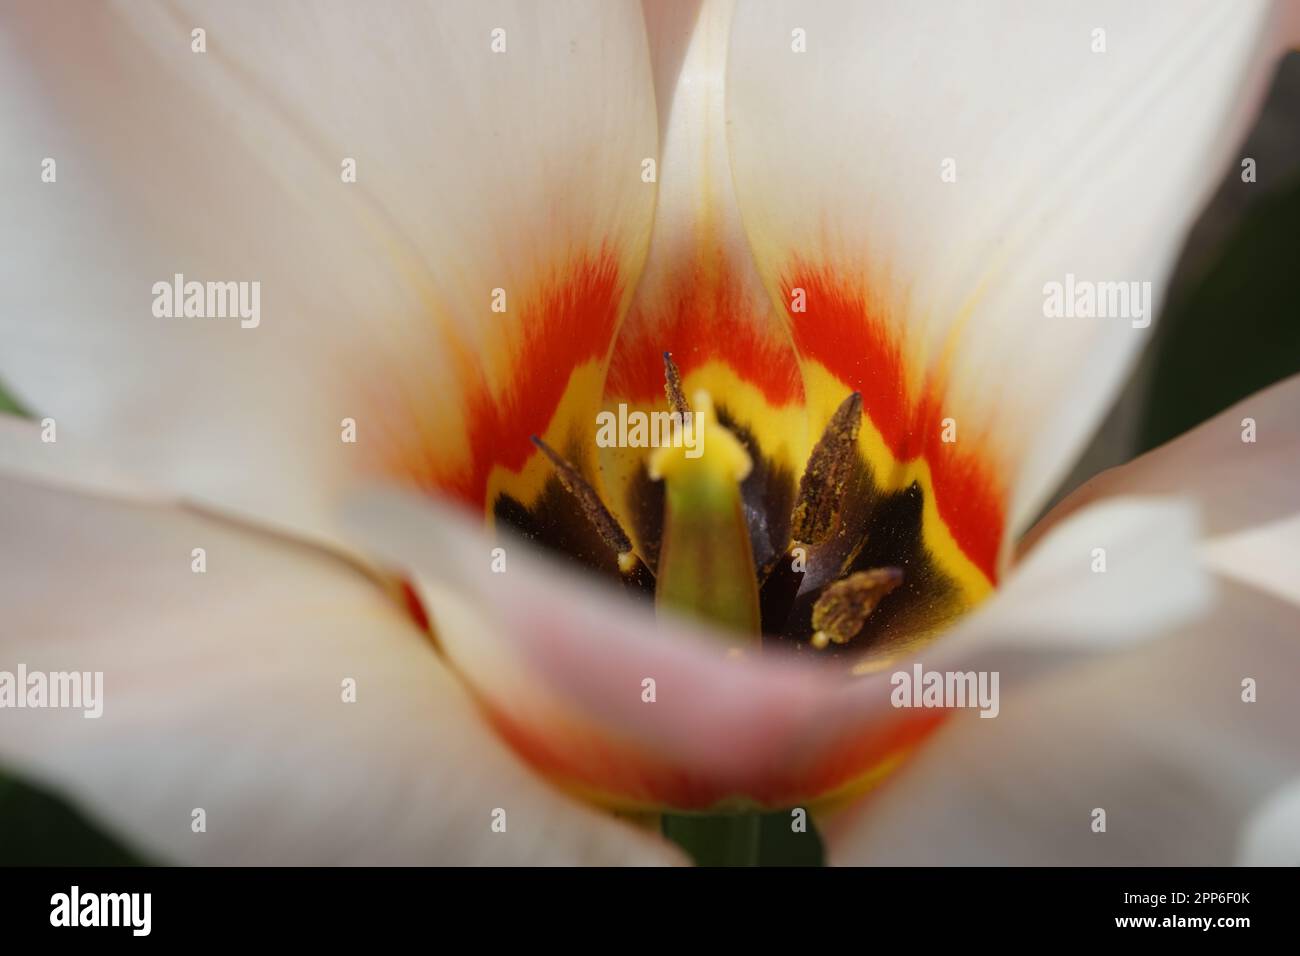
{"x": 364, "y": 587}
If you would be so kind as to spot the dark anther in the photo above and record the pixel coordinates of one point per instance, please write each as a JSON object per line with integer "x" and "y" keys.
{"x": 825, "y": 480}
{"x": 595, "y": 510}
{"x": 673, "y": 386}
{"x": 845, "y": 605}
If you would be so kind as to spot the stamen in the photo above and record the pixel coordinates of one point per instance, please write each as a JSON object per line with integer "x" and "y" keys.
{"x": 637, "y": 577}
{"x": 673, "y": 386}
{"x": 825, "y": 480}
{"x": 605, "y": 524}
{"x": 845, "y": 605}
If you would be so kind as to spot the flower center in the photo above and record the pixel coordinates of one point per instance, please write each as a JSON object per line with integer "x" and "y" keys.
{"x": 702, "y": 561}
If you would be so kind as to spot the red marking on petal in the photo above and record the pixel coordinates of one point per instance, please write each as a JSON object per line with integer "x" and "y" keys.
{"x": 414, "y": 606}
{"x": 584, "y": 756}
{"x": 705, "y": 316}
{"x": 843, "y": 332}
{"x": 568, "y": 321}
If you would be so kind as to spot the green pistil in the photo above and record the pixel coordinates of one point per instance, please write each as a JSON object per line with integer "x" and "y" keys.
{"x": 706, "y": 566}
{"x": 706, "y": 570}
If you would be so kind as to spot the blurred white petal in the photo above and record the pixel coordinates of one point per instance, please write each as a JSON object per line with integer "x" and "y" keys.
{"x": 1272, "y": 834}
{"x": 1159, "y": 738}
{"x": 223, "y": 691}
{"x": 1246, "y": 491}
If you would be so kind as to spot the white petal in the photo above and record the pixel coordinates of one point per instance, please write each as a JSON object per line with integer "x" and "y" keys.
{"x": 223, "y": 691}
{"x": 1239, "y": 469}
{"x": 1114, "y": 574}
{"x": 1267, "y": 557}
{"x": 476, "y": 171}
{"x": 31, "y": 450}
{"x": 1158, "y": 738}
{"x": 1067, "y": 161}
{"x": 1272, "y": 835}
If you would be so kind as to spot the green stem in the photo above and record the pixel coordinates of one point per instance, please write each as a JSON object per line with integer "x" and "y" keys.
{"x": 716, "y": 840}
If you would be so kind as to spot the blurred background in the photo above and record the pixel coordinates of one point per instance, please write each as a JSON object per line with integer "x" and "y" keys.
{"x": 1230, "y": 326}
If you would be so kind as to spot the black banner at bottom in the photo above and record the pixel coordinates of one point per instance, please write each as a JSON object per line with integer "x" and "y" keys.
{"x": 333, "y": 905}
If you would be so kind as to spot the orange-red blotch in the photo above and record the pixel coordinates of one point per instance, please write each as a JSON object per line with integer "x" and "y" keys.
{"x": 705, "y": 316}
{"x": 841, "y": 331}
{"x": 567, "y": 321}
{"x": 618, "y": 771}
{"x": 414, "y": 606}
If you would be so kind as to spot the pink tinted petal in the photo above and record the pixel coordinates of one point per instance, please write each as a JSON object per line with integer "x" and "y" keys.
{"x": 561, "y": 666}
